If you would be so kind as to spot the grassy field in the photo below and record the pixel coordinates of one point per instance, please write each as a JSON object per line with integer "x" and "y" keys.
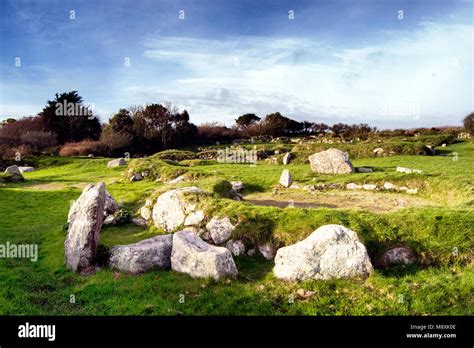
{"x": 437, "y": 223}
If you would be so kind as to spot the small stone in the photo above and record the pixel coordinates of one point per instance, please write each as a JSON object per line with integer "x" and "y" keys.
{"x": 139, "y": 221}
{"x": 268, "y": 251}
{"x": 145, "y": 212}
{"x": 285, "y": 179}
{"x": 178, "y": 180}
{"x": 398, "y": 255}
{"x": 236, "y": 247}
{"x": 251, "y": 252}
{"x": 305, "y": 294}
{"x": 195, "y": 218}
{"x": 136, "y": 177}
{"x": 353, "y": 186}
{"x": 220, "y": 229}
{"x": 412, "y": 191}
{"x": 389, "y": 186}
{"x": 109, "y": 220}
{"x": 370, "y": 187}
{"x": 237, "y": 185}
{"x": 364, "y": 170}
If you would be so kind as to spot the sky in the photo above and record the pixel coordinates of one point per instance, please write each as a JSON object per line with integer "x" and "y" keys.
{"x": 389, "y": 63}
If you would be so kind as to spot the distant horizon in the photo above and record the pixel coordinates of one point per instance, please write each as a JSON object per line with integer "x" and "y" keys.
{"x": 320, "y": 61}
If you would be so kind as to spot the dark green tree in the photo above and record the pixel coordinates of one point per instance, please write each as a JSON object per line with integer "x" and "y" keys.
{"x": 69, "y": 119}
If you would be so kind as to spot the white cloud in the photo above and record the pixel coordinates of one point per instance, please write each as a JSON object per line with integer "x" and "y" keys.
{"x": 429, "y": 70}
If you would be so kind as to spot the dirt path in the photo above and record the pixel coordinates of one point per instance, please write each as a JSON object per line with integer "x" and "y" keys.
{"x": 378, "y": 202}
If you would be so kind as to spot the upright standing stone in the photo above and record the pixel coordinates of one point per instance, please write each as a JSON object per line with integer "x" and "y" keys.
{"x": 287, "y": 158}
{"x": 85, "y": 221}
{"x": 285, "y": 179}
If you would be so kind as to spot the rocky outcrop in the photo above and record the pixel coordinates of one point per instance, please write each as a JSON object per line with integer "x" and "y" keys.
{"x": 331, "y": 251}
{"x": 85, "y": 222}
{"x": 332, "y": 161}
{"x": 146, "y": 255}
{"x": 191, "y": 255}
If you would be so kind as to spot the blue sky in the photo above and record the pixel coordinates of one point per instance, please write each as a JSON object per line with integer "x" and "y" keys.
{"x": 335, "y": 61}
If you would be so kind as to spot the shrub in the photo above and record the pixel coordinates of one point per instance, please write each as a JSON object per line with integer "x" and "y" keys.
{"x": 84, "y": 148}
{"x": 68, "y": 150}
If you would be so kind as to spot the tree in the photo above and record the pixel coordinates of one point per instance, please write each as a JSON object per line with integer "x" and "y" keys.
{"x": 122, "y": 122}
{"x": 320, "y": 128}
{"x": 69, "y": 119}
{"x": 276, "y": 124}
{"x": 340, "y": 129}
{"x": 246, "y": 120}
{"x": 468, "y": 123}
{"x": 158, "y": 127}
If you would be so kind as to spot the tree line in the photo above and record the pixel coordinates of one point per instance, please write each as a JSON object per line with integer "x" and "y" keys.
{"x": 151, "y": 128}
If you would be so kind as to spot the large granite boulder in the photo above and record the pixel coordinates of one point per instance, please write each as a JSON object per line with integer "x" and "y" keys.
{"x": 332, "y": 161}
{"x": 148, "y": 254}
{"x": 85, "y": 222}
{"x": 172, "y": 207}
{"x": 332, "y": 251}
{"x": 193, "y": 256}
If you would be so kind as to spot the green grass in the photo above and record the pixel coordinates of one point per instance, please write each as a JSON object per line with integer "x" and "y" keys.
{"x": 441, "y": 284}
